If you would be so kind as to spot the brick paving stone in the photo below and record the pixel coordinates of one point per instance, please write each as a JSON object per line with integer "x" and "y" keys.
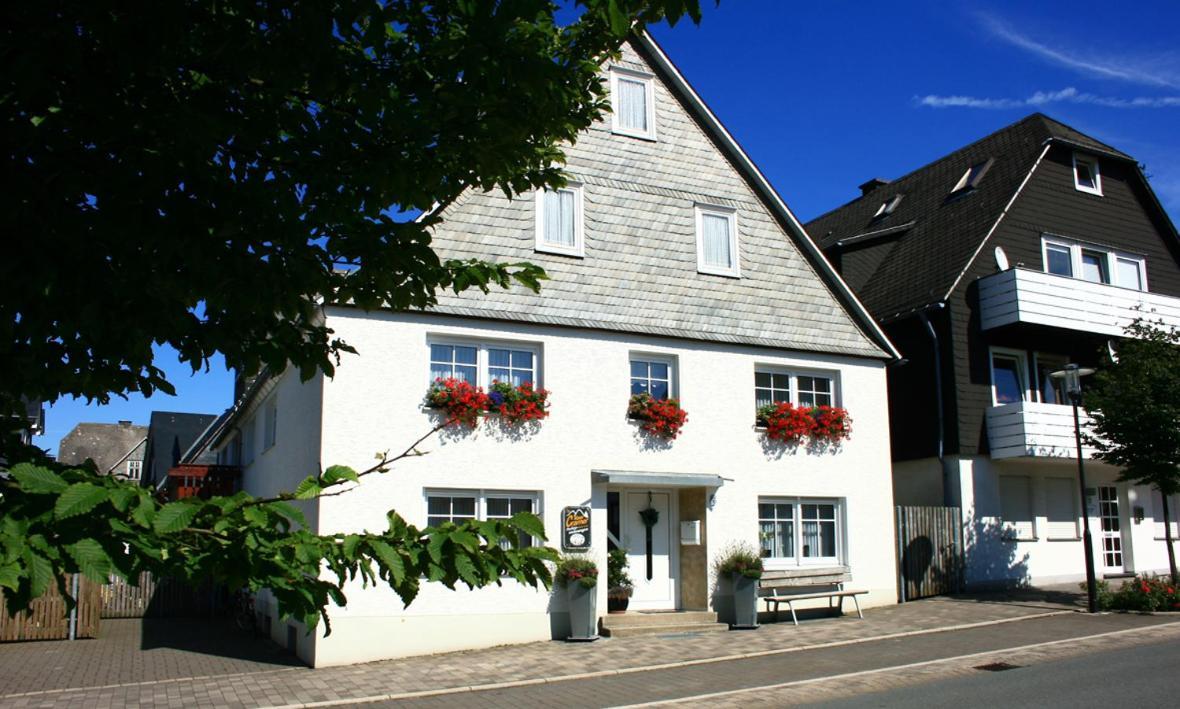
{"x": 181, "y": 663}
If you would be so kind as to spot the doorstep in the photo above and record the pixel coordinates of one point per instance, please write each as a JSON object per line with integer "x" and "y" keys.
{"x": 618, "y": 625}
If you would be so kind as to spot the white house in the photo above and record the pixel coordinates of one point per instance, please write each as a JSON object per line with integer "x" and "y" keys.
{"x": 675, "y": 268}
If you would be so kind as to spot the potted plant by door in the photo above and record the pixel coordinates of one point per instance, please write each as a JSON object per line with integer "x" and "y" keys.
{"x": 578, "y": 575}
{"x": 619, "y": 586}
{"x": 742, "y": 566}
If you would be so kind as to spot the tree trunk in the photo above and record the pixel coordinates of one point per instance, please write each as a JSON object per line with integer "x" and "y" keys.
{"x": 1168, "y": 539}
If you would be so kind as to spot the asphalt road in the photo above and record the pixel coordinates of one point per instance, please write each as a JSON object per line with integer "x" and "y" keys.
{"x": 1140, "y": 676}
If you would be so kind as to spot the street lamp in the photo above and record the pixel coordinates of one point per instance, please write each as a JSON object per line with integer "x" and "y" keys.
{"x": 1072, "y": 374}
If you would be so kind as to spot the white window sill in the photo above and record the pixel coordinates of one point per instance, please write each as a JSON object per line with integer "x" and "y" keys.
{"x": 1087, "y": 190}
{"x": 642, "y": 135}
{"x": 711, "y": 271}
{"x": 560, "y": 251}
{"x": 781, "y": 564}
{"x": 1063, "y": 539}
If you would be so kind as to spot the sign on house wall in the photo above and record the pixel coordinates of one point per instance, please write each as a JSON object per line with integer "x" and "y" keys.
{"x": 575, "y": 529}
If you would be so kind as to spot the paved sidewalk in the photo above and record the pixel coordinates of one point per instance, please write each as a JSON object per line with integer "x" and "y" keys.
{"x": 135, "y": 674}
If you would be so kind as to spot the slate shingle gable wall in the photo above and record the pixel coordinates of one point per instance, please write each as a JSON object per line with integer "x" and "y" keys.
{"x": 640, "y": 269}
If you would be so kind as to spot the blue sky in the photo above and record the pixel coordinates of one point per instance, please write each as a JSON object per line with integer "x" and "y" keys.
{"x": 825, "y": 95}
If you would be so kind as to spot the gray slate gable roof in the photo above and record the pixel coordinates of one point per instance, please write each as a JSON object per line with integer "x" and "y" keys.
{"x": 104, "y": 443}
{"x": 920, "y": 265}
{"x": 640, "y": 271}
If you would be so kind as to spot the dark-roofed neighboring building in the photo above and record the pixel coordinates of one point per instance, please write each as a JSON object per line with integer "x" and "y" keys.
{"x": 170, "y": 435}
{"x": 990, "y": 269}
{"x": 116, "y": 448}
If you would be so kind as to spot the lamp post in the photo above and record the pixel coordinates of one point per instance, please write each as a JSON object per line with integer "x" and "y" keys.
{"x": 1072, "y": 374}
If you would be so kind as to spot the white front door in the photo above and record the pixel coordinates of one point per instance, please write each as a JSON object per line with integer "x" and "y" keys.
{"x": 657, "y": 589}
{"x": 1112, "y": 528}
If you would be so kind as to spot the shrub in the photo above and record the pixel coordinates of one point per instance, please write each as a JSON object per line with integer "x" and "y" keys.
{"x": 660, "y": 417}
{"x": 1143, "y": 593}
{"x": 576, "y": 569}
{"x": 739, "y": 559}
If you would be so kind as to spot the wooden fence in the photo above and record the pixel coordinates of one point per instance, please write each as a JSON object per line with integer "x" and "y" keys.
{"x": 929, "y": 551}
{"x": 48, "y": 619}
{"x": 159, "y": 598}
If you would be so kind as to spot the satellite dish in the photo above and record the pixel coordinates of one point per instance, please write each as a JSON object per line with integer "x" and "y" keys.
{"x": 1001, "y": 258}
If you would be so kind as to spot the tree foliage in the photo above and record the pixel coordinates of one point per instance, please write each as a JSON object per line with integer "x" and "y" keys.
{"x": 57, "y": 518}
{"x": 204, "y": 175}
{"x": 1135, "y": 403}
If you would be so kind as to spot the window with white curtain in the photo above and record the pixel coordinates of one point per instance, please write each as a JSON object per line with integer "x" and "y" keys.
{"x": 796, "y": 531}
{"x": 717, "y": 243}
{"x": 1097, "y": 264}
{"x": 632, "y": 103}
{"x": 773, "y": 385}
{"x": 1061, "y": 508}
{"x": 1016, "y": 507}
{"x": 481, "y": 363}
{"x": 459, "y": 506}
{"x": 559, "y": 221}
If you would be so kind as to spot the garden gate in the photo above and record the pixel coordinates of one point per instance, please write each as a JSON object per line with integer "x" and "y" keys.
{"x": 929, "y": 551}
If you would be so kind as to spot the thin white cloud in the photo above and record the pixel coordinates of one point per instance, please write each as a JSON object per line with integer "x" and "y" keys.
{"x": 1158, "y": 70}
{"x": 1044, "y": 98}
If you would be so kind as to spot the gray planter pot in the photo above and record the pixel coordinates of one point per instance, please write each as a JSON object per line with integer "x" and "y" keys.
{"x": 583, "y": 612}
{"x": 745, "y": 602}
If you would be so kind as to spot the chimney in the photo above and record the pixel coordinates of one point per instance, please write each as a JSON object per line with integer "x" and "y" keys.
{"x": 872, "y": 185}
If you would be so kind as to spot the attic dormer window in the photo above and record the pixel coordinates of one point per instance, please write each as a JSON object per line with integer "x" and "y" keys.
{"x": 970, "y": 179}
{"x": 632, "y": 103}
{"x": 888, "y": 206}
{"x": 1086, "y": 177}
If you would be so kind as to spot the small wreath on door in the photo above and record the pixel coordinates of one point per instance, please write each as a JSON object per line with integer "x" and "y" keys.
{"x": 650, "y": 517}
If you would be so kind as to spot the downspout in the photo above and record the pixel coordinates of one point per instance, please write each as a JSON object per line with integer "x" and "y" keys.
{"x": 936, "y": 346}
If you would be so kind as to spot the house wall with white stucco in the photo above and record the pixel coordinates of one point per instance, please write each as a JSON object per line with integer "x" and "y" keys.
{"x": 374, "y": 403}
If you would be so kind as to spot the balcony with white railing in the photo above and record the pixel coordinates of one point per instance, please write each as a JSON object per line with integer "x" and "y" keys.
{"x": 1028, "y": 429}
{"x": 1019, "y": 295}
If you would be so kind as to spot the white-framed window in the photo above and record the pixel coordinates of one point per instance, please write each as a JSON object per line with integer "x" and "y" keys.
{"x": 461, "y": 505}
{"x": 271, "y": 422}
{"x": 1096, "y": 264}
{"x": 1061, "y": 508}
{"x": 773, "y": 385}
{"x": 653, "y": 374}
{"x": 1047, "y": 389}
{"x": 1016, "y": 507}
{"x": 559, "y": 221}
{"x": 971, "y": 178}
{"x": 248, "y": 441}
{"x": 633, "y": 103}
{"x": 1009, "y": 376}
{"x": 888, "y": 206}
{"x": 1086, "y": 176}
{"x": 794, "y": 531}
{"x": 134, "y": 469}
{"x": 482, "y": 363}
{"x": 717, "y": 241}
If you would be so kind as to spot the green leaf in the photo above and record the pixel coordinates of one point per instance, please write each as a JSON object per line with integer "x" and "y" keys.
{"x": 10, "y": 576}
{"x": 530, "y": 524}
{"x": 289, "y": 511}
{"x": 466, "y": 570}
{"x": 308, "y": 488}
{"x": 37, "y": 480}
{"x": 78, "y": 499}
{"x": 92, "y": 560}
{"x": 145, "y": 512}
{"x": 336, "y": 473}
{"x": 175, "y": 516}
{"x": 390, "y": 559}
{"x": 121, "y": 497}
{"x": 40, "y": 573}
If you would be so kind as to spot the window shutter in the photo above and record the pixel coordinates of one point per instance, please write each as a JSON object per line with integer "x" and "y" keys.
{"x": 1015, "y": 506}
{"x": 1061, "y": 508}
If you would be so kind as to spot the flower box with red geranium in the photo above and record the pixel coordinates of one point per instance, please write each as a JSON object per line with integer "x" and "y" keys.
{"x": 462, "y": 402}
{"x": 518, "y": 404}
{"x": 660, "y": 417}
{"x": 790, "y": 424}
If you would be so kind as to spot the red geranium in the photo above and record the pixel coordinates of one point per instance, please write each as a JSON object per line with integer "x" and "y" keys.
{"x": 660, "y": 417}
{"x": 832, "y": 424}
{"x": 462, "y": 401}
{"x": 518, "y": 404}
{"x": 786, "y": 422}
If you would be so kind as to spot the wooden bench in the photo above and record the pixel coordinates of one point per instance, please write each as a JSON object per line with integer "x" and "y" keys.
{"x": 788, "y": 586}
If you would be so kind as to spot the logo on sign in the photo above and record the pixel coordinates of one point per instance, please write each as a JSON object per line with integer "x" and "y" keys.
{"x": 575, "y": 528}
